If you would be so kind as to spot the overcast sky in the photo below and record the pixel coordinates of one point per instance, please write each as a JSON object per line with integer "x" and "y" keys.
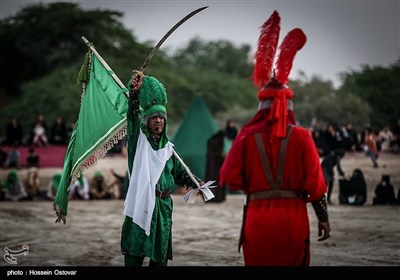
{"x": 341, "y": 35}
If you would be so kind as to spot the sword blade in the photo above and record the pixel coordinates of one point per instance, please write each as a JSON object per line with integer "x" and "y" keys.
{"x": 179, "y": 23}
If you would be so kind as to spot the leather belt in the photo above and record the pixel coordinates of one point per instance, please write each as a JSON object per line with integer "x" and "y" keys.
{"x": 274, "y": 194}
{"x": 162, "y": 194}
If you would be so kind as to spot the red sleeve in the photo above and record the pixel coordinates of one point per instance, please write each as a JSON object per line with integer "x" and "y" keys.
{"x": 314, "y": 178}
{"x": 231, "y": 172}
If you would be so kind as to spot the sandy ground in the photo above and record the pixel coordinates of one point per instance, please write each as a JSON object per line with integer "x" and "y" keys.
{"x": 204, "y": 234}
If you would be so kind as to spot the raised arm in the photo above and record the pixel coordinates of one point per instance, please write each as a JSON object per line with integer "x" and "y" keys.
{"x": 133, "y": 117}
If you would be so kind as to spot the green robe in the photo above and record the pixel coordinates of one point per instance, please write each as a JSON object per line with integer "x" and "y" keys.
{"x": 158, "y": 245}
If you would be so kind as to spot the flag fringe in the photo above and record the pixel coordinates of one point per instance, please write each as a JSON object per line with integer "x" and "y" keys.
{"x": 61, "y": 214}
{"x": 92, "y": 160}
{"x": 99, "y": 153}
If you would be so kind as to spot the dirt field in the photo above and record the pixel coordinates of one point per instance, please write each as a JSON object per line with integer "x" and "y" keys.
{"x": 204, "y": 234}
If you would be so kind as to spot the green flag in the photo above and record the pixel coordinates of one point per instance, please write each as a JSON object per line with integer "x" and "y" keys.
{"x": 101, "y": 123}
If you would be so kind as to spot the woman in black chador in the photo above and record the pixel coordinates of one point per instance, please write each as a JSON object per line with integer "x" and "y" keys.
{"x": 353, "y": 191}
{"x": 384, "y": 192}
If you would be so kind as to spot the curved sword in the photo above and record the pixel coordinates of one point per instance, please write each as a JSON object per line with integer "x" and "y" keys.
{"x": 179, "y": 23}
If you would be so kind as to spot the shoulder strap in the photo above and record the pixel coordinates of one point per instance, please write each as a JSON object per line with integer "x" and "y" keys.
{"x": 281, "y": 160}
{"x": 282, "y": 153}
{"x": 264, "y": 161}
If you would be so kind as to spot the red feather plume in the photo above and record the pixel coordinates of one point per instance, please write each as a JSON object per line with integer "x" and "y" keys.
{"x": 292, "y": 43}
{"x": 265, "y": 54}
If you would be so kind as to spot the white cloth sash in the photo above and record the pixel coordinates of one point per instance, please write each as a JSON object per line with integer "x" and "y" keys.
{"x": 148, "y": 165}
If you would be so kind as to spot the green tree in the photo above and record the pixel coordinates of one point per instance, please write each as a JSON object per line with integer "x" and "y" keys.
{"x": 63, "y": 94}
{"x": 316, "y": 98}
{"x": 377, "y": 86}
{"x": 216, "y": 70}
{"x": 220, "y": 55}
{"x": 41, "y": 38}
{"x": 43, "y": 51}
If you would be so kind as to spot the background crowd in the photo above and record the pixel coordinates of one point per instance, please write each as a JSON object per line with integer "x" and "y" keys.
{"x": 332, "y": 143}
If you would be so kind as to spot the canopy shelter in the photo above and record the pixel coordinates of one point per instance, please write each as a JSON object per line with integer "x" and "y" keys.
{"x": 190, "y": 139}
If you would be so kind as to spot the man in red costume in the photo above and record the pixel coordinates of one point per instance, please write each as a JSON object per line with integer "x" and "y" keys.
{"x": 276, "y": 164}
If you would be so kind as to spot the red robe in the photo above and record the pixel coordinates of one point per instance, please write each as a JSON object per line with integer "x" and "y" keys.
{"x": 276, "y": 231}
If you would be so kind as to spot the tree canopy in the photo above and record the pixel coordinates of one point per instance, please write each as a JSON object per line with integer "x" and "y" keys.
{"x": 42, "y": 50}
{"x": 380, "y": 88}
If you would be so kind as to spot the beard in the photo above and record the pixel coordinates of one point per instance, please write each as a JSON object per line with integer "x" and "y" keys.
{"x": 156, "y": 129}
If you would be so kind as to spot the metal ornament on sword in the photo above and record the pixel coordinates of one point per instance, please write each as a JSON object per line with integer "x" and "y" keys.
{"x": 205, "y": 189}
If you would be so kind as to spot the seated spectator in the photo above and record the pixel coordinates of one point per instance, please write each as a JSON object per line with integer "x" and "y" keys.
{"x": 32, "y": 159}
{"x": 2, "y": 190}
{"x": 121, "y": 182}
{"x": 98, "y": 187}
{"x": 14, "y": 189}
{"x": 39, "y": 131}
{"x": 32, "y": 184}
{"x": 384, "y": 192}
{"x": 53, "y": 185}
{"x": 39, "y": 136}
{"x": 398, "y": 196}
{"x": 14, "y": 157}
{"x": 353, "y": 191}
{"x": 80, "y": 189}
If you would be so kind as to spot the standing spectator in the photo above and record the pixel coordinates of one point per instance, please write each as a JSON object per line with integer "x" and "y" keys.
{"x": 384, "y": 139}
{"x": 14, "y": 132}
{"x": 58, "y": 135}
{"x": 371, "y": 149}
{"x": 351, "y": 141}
{"x": 215, "y": 158}
{"x": 328, "y": 164}
{"x": 396, "y": 138}
{"x": 231, "y": 130}
{"x": 320, "y": 143}
{"x": 333, "y": 137}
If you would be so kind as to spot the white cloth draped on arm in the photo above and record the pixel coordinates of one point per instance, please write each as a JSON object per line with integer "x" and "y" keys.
{"x": 148, "y": 165}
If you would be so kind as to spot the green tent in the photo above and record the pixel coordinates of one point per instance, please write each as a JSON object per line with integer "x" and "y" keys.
{"x": 190, "y": 139}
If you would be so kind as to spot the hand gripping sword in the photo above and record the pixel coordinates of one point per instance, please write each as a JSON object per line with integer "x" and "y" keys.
{"x": 207, "y": 194}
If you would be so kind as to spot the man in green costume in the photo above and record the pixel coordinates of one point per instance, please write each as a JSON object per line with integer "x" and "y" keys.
{"x": 154, "y": 171}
